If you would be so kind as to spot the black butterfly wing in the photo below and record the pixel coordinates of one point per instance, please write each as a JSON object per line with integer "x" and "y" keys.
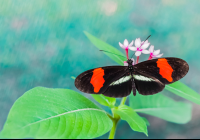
{"x": 152, "y": 75}
{"x": 98, "y": 80}
{"x": 146, "y": 84}
{"x": 121, "y": 87}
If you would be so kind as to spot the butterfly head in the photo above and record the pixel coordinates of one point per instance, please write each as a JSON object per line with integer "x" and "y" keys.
{"x": 130, "y": 62}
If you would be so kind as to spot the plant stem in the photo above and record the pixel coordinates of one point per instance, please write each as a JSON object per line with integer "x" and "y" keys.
{"x": 112, "y": 131}
{"x": 115, "y": 120}
{"x": 123, "y": 101}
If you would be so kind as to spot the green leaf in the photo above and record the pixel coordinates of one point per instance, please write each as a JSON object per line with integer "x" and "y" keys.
{"x": 184, "y": 91}
{"x": 162, "y": 107}
{"x": 73, "y": 77}
{"x": 146, "y": 121}
{"x": 134, "y": 120}
{"x": 106, "y": 101}
{"x": 55, "y": 113}
{"x": 101, "y": 45}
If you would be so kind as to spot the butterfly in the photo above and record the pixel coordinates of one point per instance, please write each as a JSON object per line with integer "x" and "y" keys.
{"x": 147, "y": 77}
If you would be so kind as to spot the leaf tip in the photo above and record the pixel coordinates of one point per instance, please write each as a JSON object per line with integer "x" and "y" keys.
{"x": 73, "y": 77}
{"x": 86, "y": 33}
{"x": 146, "y": 132}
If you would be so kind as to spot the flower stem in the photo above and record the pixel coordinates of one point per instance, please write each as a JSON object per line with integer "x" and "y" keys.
{"x": 127, "y": 53}
{"x": 150, "y": 57}
{"x": 137, "y": 59}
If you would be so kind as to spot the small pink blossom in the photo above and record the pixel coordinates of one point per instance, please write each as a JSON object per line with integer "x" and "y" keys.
{"x": 153, "y": 53}
{"x": 140, "y": 47}
{"x": 126, "y": 45}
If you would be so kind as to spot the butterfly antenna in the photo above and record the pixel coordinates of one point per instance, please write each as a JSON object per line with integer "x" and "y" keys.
{"x": 147, "y": 38}
{"x": 112, "y": 53}
{"x": 144, "y": 41}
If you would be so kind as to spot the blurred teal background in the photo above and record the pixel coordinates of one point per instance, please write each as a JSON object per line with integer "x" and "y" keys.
{"x": 42, "y": 44}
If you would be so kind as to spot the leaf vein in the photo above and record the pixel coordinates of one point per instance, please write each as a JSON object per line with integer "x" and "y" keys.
{"x": 64, "y": 114}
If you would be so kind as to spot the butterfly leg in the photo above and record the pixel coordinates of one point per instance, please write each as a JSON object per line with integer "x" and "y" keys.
{"x": 133, "y": 85}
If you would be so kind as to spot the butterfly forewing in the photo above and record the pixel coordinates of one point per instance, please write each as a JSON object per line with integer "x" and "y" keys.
{"x": 96, "y": 81}
{"x": 152, "y": 75}
{"x": 166, "y": 70}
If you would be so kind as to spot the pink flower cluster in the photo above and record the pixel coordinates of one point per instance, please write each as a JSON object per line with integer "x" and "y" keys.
{"x": 139, "y": 48}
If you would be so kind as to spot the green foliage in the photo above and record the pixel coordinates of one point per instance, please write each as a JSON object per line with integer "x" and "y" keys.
{"x": 162, "y": 107}
{"x": 106, "y": 101}
{"x": 106, "y": 47}
{"x": 73, "y": 77}
{"x": 134, "y": 120}
{"x": 184, "y": 91}
{"x": 146, "y": 121}
{"x": 55, "y": 113}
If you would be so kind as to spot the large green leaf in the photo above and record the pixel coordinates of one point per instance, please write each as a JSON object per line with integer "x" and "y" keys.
{"x": 136, "y": 122}
{"x": 161, "y": 106}
{"x": 106, "y": 101}
{"x": 101, "y": 45}
{"x": 184, "y": 91}
{"x": 55, "y": 113}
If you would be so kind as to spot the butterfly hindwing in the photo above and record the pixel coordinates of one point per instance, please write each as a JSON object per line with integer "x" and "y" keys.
{"x": 96, "y": 81}
{"x": 147, "y": 85}
{"x": 121, "y": 87}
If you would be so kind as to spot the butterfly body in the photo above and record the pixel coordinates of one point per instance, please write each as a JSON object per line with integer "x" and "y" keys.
{"x": 148, "y": 77}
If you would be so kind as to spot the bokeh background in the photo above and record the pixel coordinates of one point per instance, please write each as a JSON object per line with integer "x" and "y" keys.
{"x": 42, "y": 44}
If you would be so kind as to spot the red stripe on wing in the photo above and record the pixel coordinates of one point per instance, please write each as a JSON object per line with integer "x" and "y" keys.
{"x": 165, "y": 69}
{"x": 97, "y": 79}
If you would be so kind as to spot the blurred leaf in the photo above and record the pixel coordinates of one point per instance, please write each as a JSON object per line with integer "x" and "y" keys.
{"x": 146, "y": 121}
{"x": 134, "y": 120}
{"x": 55, "y": 113}
{"x": 184, "y": 91}
{"x": 73, "y": 77}
{"x": 106, "y": 101}
{"x": 162, "y": 107}
{"x": 101, "y": 45}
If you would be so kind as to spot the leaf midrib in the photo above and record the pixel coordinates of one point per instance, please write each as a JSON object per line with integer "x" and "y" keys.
{"x": 155, "y": 109}
{"x": 183, "y": 93}
{"x": 64, "y": 114}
